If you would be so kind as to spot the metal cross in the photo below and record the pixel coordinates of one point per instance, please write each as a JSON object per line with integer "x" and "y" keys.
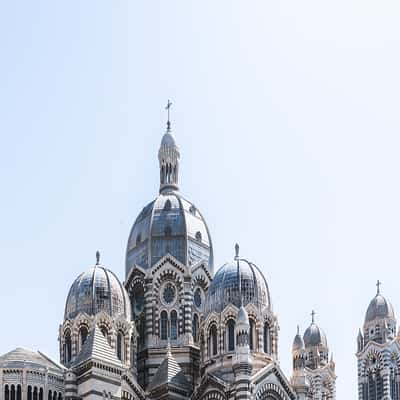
{"x": 378, "y": 286}
{"x": 167, "y": 107}
{"x": 312, "y": 316}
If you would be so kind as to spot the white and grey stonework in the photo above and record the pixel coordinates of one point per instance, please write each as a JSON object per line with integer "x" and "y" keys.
{"x": 176, "y": 330}
{"x": 378, "y": 352}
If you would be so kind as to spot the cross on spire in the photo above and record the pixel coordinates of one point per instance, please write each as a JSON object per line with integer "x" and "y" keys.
{"x": 378, "y": 286}
{"x": 167, "y": 107}
{"x": 313, "y": 316}
{"x": 97, "y": 257}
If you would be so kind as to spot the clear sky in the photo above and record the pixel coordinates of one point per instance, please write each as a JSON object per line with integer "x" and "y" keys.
{"x": 287, "y": 117}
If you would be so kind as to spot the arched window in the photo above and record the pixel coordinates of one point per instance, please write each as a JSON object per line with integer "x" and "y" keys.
{"x": 29, "y": 392}
{"x": 50, "y": 396}
{"x": 133, "y": 353}
{"x": 195, "y": 328}
{"x": 68, "y": 346}
{"x": 174, "y": 325}
{"x": 267, "y": 345}
{"x": 167, "y": 205}
{"x": 54, "y": 395}
{"x": 19, "y": 392}
{"x": 83, "y": 333}
{"x": 59, "y": 396}
{"x": 213, "y": 341}
{"x": 231, "y": 334}
{"x": 6, "y": 393}
{"x": 12, "y": 392}
{"x": 164, "y": 325}
{"x": 120, "y": 343}
{"x": 35, "y": 393}
{"x": 252, "y": 334}
{"x": 167, "y": 231}
{"x": 41, "y": 394}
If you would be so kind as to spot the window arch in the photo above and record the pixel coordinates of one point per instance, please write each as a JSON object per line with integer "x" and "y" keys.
{"x": 35, "y": 393}
{"x": 12, "y": 392}
{"x": 50, "y": 396}
{"x": 195, "y": 328}
{"x": 267, "y": 344}
{"x": 167, "y": 205}
{"x": 120, "y": 343}
{"x": 67, "y": 346}
{"x": 253, "y": 336}
{"x": 168, "y": 231}
{"x": 41, "y": 394}
{"x": 213, "y": 341}
{"x": 83, "y": 334}
{"x": 29, "y": 392}
{"x": 6, "y": 393}
{"x": 230, "y": 326}
{"x": 164, "y": 325}
{"x": 19, "y": 392}
{"x": 174, "y": 325}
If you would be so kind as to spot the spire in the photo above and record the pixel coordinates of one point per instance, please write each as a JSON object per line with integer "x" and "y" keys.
{"x": 168, "y": 157}
{"x": 378, "y": 287}
{"x": 97, "y": 257}
{"x": 312, "y": 316}
{"x": 167, "y": 107}
{"x": 238, "y": 274}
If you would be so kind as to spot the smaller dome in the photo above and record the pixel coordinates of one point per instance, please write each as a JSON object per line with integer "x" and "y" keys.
{"x": 379, "y": 308}
{"x": 314, "y": 336}
{"x": 224, "y": 289}
{"x": 298, "y": 343}
{"x": 168, "y": 140}
{"x": 96, "y": 290}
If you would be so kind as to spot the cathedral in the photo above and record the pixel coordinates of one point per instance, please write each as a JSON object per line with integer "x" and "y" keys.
{"x": 179, "y": 327}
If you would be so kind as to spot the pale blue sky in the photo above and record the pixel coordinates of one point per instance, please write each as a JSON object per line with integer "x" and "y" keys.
{"x": 287, "y": 117}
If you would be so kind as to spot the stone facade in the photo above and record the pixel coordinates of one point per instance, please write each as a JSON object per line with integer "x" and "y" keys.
{"x": 174, "y": 329}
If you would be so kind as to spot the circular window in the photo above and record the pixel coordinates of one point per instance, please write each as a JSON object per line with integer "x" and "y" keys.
{"x": 197, "y": 297}
{"x": 169, "y": 293}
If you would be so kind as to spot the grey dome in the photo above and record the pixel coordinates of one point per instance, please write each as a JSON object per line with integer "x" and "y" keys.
{"x": 169, "y": 224}
{"x": 298, "y": 343}
{"x": 314, "y": 336}
{"x": 379, "y": 308}
{"x": 224, "y": 288}
{"x": 24, "y": 358}
{"x": 96, "y": 290}
{"x": 168, "y": 140}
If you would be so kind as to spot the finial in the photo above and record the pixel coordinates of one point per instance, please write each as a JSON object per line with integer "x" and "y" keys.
{"x": 313, "y": 316}
{"x": 167, "y": 107}
{"x": 97, "y": 257}
{"x": 236, "y": 251}
{"x": 378, "y": 286}
{"x": 298, "y": 329}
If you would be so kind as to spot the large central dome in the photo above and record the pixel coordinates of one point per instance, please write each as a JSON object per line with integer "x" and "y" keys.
{"x": 170, "y": 224}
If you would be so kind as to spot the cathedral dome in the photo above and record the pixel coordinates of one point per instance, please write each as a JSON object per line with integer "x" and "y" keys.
{"x": 170, "y": 224}
{"x": 96, "y": 290}
{"x": 314, "y": 336}
{"x": 379, "y": 308}
{"x": 224, "y": 288}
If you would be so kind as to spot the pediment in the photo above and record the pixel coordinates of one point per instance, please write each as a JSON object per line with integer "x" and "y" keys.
{"x": 272, "y": 380}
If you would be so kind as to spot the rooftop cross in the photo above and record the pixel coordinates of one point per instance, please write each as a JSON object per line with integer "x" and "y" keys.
{"x": 97, "y": 257}
{"x": 313, "y": 316}
{"x": 378, "y": 286}
{"x": 167, "y": 107}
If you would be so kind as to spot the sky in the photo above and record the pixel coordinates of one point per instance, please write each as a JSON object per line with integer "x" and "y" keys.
{"x": 287, "y": 118}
